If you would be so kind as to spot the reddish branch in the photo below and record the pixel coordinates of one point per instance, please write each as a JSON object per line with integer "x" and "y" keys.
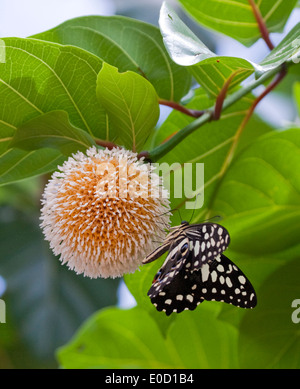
{"x": 105, "y": 143}
{"x": 190, "y": 112}
{"x": 261, "y": 24}
{"x": 268, "y": 89}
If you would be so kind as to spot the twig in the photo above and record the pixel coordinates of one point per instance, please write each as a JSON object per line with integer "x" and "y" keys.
{"x": 190, "y": 112}
{"x": 105, "y": 143}
{"x": 221, "y": 97}
{"x": 261, "y": 24}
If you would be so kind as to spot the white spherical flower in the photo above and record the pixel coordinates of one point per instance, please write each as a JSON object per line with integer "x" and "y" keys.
{"x": 104, "y": 211}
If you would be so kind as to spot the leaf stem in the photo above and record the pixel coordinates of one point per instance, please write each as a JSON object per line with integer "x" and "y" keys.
{"x": 190, "y": 112}
{"x": 221, "y": 97}
{"x": 261, "y": 24}
{"x": 164, "y": 148}
{"x": 106, "y": 144}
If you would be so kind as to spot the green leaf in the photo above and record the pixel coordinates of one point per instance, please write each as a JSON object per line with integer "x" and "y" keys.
{"x": 127, "y": 44}
{"x": 200, "y": 341}
{"x": 288, "y": 50}
{"x": 39, "y": 77}
{"x": 53, "y": 129}
{"x": 260, "y": 195}
{"x": 46, "y": 300}
{"x": 51, "y": 77}
{"x": 236, "y": 18}
{"x": 297, "y": 95}
{"x": 131, "y": 103}
{"x": 186, "y": 49}
{"x": 269, "y": 337}
{"x": 115, "y": 338}
{"x": 16, "y": 164}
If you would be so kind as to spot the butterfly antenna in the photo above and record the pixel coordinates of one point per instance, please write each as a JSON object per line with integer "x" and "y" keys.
{"x": 213, "y": 217}
{"x": 191, "y": 218}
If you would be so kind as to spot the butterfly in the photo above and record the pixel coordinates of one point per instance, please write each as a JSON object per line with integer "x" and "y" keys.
{"x": 196, "y": 269}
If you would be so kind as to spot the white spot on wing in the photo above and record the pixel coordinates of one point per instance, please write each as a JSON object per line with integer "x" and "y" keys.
{"x": 205, "y": 272}
{"x": 197, "y": 248}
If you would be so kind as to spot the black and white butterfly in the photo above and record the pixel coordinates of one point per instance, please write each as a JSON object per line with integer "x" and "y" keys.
{"x": 196, "y": 270}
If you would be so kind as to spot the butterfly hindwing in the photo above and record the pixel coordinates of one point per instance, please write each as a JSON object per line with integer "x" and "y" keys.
{"x": 178, "y": 295}
{"x": 224, "y": 281}
{"x": 220, "y": 280}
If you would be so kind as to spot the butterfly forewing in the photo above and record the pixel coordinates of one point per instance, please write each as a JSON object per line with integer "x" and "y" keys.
{"x": 157, "y": 252}
{"x": 174, "y": 262}
{"x": 207, "y": 240}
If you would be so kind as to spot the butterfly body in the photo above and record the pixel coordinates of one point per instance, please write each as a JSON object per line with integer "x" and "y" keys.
{"x": 196, "y": 270}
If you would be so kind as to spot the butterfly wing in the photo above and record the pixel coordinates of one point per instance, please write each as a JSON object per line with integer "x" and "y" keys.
{"x": 224, "y": 281}
{"x": 220, "y": 280}
{"x": 207, "y": 240}
{"x": 178, "y": 295}
{"x": 157, "y": 252}
{"x": 175, "y": 261}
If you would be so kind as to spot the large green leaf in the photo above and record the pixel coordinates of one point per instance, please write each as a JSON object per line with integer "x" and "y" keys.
{"x": 53, "y": 129}
{"x": 16, "y": 164}
{"x": 127, "y": 44}
{"x": 236, "y": 18}
{"x": 260, "y": 195}
{"x": 46, "y": 301}
{"x": 39, "y": 77}
{"x": 186, "y": 49}
{"x": 270, "y": 335}
{"x": 131, "y": 103}
{"x": 115, "y": 338}
{"x": 288, "y": 50}
{"x": 297, "y": 96}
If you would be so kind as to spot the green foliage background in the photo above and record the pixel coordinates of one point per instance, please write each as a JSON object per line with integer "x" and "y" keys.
{"x": 64, "y": 89}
